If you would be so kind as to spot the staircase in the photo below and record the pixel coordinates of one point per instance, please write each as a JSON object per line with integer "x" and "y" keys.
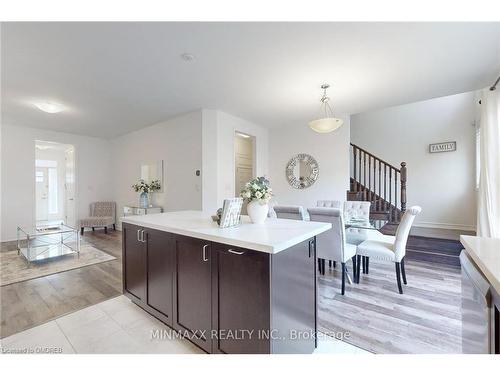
{"x": 375, "y": 180}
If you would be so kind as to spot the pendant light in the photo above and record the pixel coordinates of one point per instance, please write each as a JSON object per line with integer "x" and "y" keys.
{"x": 328, "y": 123}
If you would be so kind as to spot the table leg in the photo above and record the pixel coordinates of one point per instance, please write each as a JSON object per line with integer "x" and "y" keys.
{"x": 28, "y": 250}
{"x": 18, "y": 246}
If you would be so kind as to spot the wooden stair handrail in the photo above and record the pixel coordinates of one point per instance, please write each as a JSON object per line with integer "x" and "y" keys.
{"x": 375, "y": 157}
{"x": 388, "y": 177}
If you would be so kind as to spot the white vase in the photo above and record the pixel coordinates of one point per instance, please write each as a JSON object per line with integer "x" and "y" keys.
{"x": 257, "y": 211}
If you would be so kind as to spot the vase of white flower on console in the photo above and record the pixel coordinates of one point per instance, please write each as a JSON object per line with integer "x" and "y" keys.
{"x": 145, "y": 189}
{"x": 257, "y": 194}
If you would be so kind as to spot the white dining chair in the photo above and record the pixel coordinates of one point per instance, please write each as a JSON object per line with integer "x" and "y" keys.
{"x": 357, "y": 210}
{"x": 290, "y": 212}
{"x": 329, "y": 204}
{"x": 332, "y": 244}
{"x": 390, "y": 248}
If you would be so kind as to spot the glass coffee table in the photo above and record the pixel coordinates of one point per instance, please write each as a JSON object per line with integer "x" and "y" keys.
{"x": 41, "y": 243}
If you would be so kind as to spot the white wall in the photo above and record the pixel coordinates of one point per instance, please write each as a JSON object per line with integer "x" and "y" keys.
{"x": 93, "y": 165}
{"x": 209, "y": 171}
{"x": 178, "y": 143}
{"x": 330, "y": 150}
{"x": 443, "y": 183}
{"x": 219, "y": 172}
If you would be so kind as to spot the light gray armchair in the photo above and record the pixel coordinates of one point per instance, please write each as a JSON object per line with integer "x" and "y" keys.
{"x": 102, "y": 214}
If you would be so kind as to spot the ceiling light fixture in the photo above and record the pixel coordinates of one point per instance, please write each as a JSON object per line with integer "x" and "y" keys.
{"x": 49, "y": 107}
{"x": 329, "y": 122}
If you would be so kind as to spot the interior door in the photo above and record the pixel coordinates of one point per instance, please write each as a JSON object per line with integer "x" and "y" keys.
{"x": 243, "y": 149}
{"x": 69, "y": 185}
{"x": 42, "y": 193}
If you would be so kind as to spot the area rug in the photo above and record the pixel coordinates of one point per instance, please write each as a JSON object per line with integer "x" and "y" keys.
{"x": 14, "y": 268}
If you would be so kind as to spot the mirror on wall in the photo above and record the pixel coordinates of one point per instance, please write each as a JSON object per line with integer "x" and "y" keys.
{"x": 302, "y": 171}
{"x": 152, "y": 171}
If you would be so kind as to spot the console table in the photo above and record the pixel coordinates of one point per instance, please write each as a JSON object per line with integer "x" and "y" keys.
{"x": 135, "y": 210}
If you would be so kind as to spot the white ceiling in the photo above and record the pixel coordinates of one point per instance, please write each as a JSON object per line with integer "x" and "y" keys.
{"x": 118, "y": 77}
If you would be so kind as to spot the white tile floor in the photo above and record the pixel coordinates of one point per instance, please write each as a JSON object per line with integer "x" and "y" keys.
{"x": 117, "y": 326}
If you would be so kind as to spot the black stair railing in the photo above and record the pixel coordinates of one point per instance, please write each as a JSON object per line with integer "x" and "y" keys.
{"x": 379, "y": 182}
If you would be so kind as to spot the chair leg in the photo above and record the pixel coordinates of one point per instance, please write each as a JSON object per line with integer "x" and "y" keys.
{"x": 114, "y": 226}
{"x": 354, "y": 268}
{"x": 343, "y": 278}
{"x": 323, "y": 265}
{"x": 398, "y": 278}
{"x": 403, "y": 272}
{"x": 367, "y": 264}
{"x": 329, "y": 264}
{"x": 106, "y": 230}
{"x": 81, "y": 231}
{"x": 93, "y": 229}
{"x": 363, "y": 260}
{"x": 358, "y": 268}
{"x": 334, "y": 264}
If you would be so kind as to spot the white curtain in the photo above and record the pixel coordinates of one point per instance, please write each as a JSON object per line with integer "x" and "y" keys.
{"x": 488, "y": 215}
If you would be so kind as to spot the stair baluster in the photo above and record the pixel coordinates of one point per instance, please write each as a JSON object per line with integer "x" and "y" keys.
{"x": 369, "y": 188}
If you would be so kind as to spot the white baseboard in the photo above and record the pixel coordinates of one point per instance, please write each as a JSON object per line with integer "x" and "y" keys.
{"x": 9, "y": 239}
{"x": 428, "y": 224}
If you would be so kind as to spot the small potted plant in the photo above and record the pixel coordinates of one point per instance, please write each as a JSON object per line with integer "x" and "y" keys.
{"x": 257, "y": 194}
{"x": 144, "y": 188}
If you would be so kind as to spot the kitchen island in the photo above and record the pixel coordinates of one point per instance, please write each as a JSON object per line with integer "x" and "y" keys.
{"x": 246, "y": 289}
{"x": 481, "y": 303}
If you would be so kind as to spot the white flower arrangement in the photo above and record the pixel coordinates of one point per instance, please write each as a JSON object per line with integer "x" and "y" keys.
{"x": 143, "y": 187}
{"x": 257, "y": 189}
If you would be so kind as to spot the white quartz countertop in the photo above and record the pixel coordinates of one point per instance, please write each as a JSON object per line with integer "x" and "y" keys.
{"x": 486, "y": 254}
{"x": 273, "y": 236}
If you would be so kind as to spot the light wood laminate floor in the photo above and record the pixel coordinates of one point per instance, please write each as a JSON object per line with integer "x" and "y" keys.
{"x": 33, "y": 302}
{"x": 425, "y": 319}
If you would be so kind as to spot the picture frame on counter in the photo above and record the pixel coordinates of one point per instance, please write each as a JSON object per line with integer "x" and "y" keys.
{"x": 231, "y": 212}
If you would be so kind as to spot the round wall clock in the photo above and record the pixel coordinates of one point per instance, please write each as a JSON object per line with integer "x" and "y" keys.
{"x": 302, "y": 171}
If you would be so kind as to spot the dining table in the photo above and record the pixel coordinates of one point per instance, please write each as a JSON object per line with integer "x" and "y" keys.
{"x": 361, "y": 229}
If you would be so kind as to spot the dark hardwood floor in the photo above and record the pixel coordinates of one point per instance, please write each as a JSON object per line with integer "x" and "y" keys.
{"x": 425, "y": 319}
{"x": 30, "y": 303}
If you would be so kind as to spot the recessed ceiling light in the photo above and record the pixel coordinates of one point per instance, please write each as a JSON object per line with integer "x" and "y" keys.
{"x": 187, "y": 56}
{"x": 49, "y": 107}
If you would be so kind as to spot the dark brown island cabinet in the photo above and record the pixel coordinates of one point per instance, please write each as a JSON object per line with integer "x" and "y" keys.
{"x": 224, "y": 299}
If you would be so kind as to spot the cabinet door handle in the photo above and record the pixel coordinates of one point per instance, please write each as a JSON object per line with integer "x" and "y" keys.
{"x": 236, "y": 252}
{"x": 142, "y": 236}
{"x": 311, "y": 244}
{"x": 138, "y": 235}
{"x": 204, "y": 253}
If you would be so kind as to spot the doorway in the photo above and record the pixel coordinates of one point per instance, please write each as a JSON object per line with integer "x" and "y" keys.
{"x": 54, "y": 184}
{"x": 244, "y": 162}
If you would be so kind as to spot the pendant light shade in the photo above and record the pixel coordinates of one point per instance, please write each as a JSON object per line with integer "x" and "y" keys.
{"x": 328, "y": 123}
